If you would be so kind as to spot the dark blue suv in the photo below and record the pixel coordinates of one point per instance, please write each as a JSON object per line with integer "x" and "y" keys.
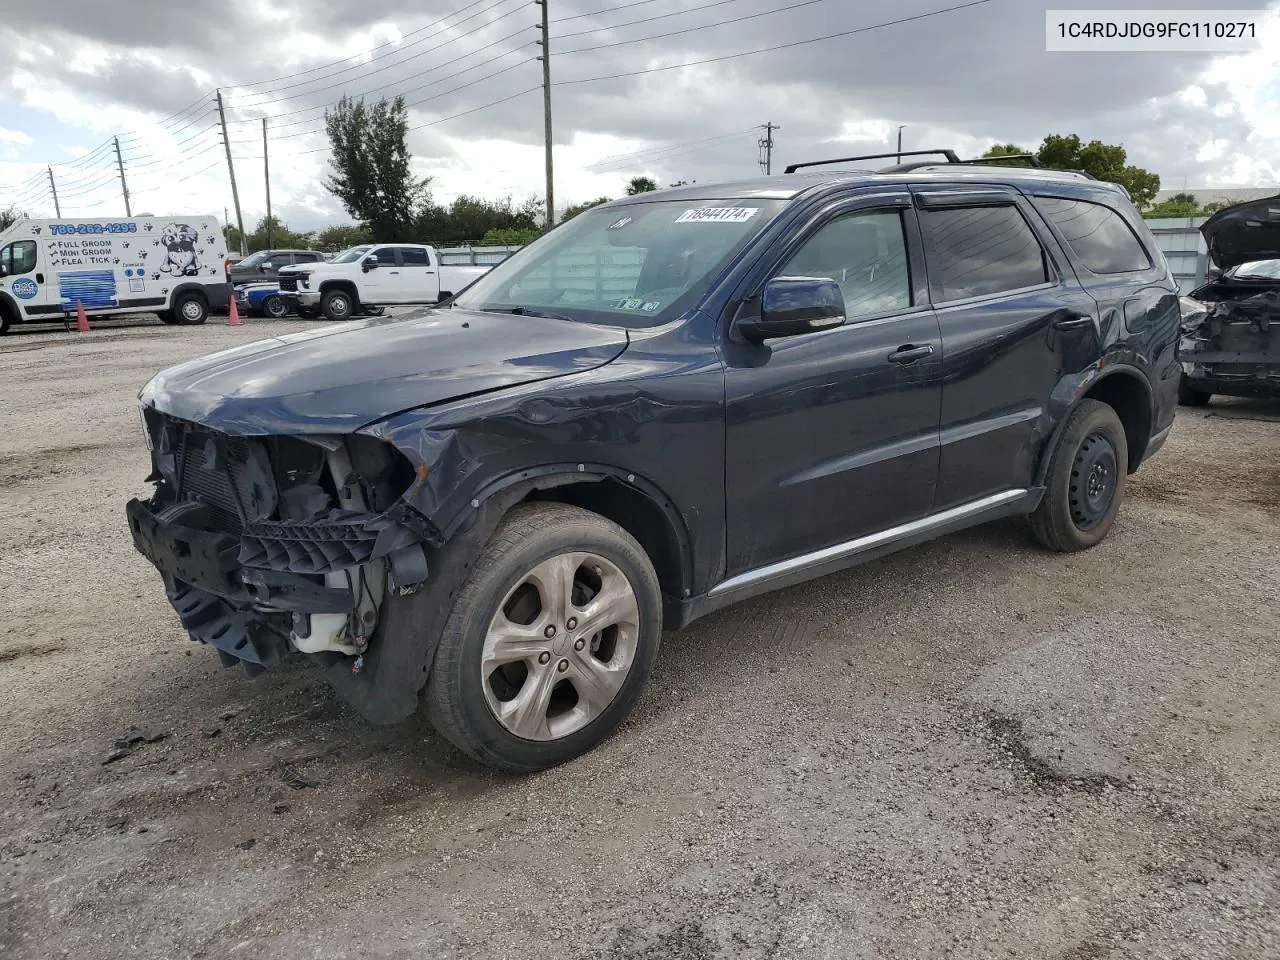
{"x": 661, "y": 407}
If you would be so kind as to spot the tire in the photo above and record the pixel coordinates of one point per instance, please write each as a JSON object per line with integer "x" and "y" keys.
{"x": 274, "y": 307}
{"x": 190, "y": 309}
{"x": 5, "y": 323}
{"x": 337, "y": 305}
{"x": 1189, "y": 396}
{"x": 1087, "y": 477}
{"x": 480, "y": 712}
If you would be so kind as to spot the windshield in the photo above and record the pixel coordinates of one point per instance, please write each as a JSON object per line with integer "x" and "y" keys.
{"x": 1258, "y": 270}
{"x": 636, "y": 265}
{"x": 253, "y": 259}
{"x": 352, "y": 255}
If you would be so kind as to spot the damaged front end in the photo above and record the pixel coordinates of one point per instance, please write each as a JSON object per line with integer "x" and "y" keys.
{"x": 275, "y": 544}
{"x": 1230, "y": 342}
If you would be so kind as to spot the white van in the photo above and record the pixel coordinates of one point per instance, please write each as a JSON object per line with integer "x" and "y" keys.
{"x": 171, "y": 266}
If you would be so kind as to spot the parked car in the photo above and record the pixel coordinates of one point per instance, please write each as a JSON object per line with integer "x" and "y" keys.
{"x": 668, "y": 404}
{"x": 265, "y": 265}
{"x": 262, "y": 299}
{"x": 1231, "y": 324}
{"x": 373, "y": 275}
{"x": 171, "y": 266}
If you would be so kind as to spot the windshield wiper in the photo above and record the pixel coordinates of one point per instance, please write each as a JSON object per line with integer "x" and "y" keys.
{"x": 530, "y": 312}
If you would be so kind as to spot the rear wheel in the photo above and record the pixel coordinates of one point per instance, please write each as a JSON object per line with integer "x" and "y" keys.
{"x": 549, "y": 642}
{"x": 337, "y": 305}
{"x": 275, "y": 307}
{"x": 1189, "y": 396}
{"x": 190, "y": 309}
{"x": 1086, "y": 480}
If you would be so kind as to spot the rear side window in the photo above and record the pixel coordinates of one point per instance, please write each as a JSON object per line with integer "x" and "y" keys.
{"x": 414, "y": 257}
{"x": 1097, "y": 235}
{"x": 306, "y": 257}
{"x": 980, "y": 251}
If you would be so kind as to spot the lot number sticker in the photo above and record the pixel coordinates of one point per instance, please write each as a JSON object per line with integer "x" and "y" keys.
{"x": 718, "y": 215}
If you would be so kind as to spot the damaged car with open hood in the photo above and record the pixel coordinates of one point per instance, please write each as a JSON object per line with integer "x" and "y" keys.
{"x": 493, "y": 508}
{"x": 1231, "y": 324}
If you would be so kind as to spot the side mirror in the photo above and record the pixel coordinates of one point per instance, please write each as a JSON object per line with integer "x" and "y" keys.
{"x": 3, "y": 272}
{"x": 370, "y": 263}
{"x": 791, "y": 306}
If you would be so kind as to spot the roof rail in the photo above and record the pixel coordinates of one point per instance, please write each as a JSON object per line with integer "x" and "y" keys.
{"x": 951, "y": 156}
{"x": 1031, "y": 158}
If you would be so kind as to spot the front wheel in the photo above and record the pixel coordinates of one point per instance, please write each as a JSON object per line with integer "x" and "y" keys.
{"x": 549, "y": 642}
{"x": 190, "y": 309}
{"x": 1189, "y": 396}
{"x": 1086, "y": 482}
{"x": 274, "y": 307}
{"x": 337, "y": 305}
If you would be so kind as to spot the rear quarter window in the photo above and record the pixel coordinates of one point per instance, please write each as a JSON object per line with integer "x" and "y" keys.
{"x": 1097, "y": 235}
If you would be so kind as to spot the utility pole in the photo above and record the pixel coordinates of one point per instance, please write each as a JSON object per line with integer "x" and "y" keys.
{"x": 766, "y": 148}
{"x": 266, "y": 172}
{"x": 57, "y": 210}
{"x": 231, "y": 168}
{"x": 128, "y": 211}
{"x": 545, "y": 43}
{"x": 900, "y": 126}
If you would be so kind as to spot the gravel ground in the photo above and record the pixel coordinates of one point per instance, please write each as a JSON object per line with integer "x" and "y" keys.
{"x": 970, "y": 749}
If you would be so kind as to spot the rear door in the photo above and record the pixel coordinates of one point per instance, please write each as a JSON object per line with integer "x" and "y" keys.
{"x": 421, "y": 279}
{"x": 1014, "y": 318}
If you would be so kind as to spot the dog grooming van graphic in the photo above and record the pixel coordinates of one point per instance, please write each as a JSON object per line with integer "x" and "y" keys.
{"x": 171, "y": 266}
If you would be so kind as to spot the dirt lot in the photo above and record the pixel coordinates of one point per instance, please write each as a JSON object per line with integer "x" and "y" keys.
{"x": 970, "y": 749}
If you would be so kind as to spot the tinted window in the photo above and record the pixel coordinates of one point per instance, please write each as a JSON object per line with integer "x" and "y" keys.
{"x": 414, "y": 257}
{"x": 18, "y": 257}
{"x": 386, "y": 256}
{"x": 1097, "y": 235}
{"x": 979, "y": 251}
{"x": 306, "y": 257}
{"x": 866, "y": 254}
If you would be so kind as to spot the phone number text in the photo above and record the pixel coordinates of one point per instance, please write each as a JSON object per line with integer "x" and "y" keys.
{"x": 70, "y": 229}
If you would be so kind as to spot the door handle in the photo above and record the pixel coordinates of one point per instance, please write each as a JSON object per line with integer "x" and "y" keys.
{"x": 1076, "y": 321}
{"x": 908, "y": 353}
{"x": 394, "y": 273}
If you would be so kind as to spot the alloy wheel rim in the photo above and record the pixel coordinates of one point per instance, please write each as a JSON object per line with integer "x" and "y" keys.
{"x": 560, "y": 646}
{"x": 275, "y": 307}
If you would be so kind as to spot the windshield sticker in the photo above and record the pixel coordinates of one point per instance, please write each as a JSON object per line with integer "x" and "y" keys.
{"x": 619, "y": 223}
{"x": 628, "y": 304}
{"x": 718, "y": 215}
{"x": 651, "y": 306}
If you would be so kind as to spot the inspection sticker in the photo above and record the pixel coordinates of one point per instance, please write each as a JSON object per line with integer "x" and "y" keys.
{"x": 718, "y": 215}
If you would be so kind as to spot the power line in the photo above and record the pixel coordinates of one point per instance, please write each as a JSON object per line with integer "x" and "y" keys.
{"x": 770, "y": 49}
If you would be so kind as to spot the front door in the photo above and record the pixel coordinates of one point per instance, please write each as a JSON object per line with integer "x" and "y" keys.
{"x": 1014, "y": 318}
{"x": 24, "y": 278}
{"x": 833, "y": 435}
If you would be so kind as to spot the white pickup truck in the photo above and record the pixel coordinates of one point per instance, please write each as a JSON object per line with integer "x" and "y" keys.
{"x": 372, "y": 275}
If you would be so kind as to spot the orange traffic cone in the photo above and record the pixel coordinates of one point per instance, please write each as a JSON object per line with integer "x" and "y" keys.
{"x": 82, "y": 318}
{"x": 233, "y": 318}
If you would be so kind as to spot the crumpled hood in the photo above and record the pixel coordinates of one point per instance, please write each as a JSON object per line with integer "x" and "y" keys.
{"x": 343, "y": 376}
{"x": 1244, "y": 233}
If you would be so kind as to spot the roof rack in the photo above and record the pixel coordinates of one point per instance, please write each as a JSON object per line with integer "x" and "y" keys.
{"x": 949, "y": 154}
{"x": 951, "y": 157}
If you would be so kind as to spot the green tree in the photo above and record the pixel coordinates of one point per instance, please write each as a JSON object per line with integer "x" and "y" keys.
{"x": 343, "y": 236}
{"x": 1104, "y": 161}
{"x": 1189, "y": 198}
{"x": 573, "y": 211}
{"x": 468, "y": 219}
{"x": 1005, "y": 150}
{"x": 641, "y": 185}
{"x": 511, "y": 236}
{"x": 370, "y": 157}
{"x": 681, "y": 183}
{"x": 7, "y": 218}
{"x": 280, "y": 237}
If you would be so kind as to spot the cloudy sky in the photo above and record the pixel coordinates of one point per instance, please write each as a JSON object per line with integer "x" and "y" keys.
{"x": 78, "y": 72}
